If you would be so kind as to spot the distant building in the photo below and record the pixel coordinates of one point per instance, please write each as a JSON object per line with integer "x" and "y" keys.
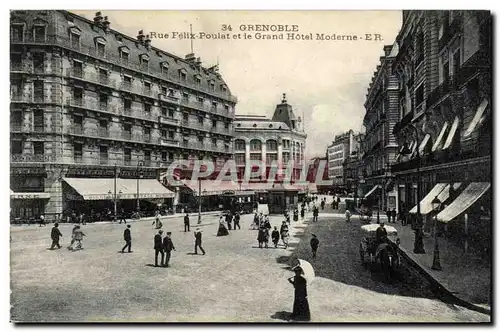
{"x": 278, "y": 139}
{"x": 341, "y": 149}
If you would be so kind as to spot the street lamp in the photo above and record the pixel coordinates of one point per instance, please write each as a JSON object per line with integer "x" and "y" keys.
{"x": 418, "y": 246}
{"x": 139, "y": 176}
{"x": 436, "y": 263}
{"x": 115, "y": 197}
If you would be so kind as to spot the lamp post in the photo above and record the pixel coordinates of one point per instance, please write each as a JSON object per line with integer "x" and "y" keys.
{"x": 436, "y": 262}
{"x": 199, "y": 201}
{"x": 114, "y": 192}
{"x": 418, "y": 246}
{"x": 139, "y": 176}
{"x": 115, "y": 197}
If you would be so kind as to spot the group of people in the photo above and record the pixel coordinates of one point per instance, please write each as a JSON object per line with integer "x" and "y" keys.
{"x": 228, "y": 221}
{"x": 391, "y": 215}
{"x": 76, "y": 237}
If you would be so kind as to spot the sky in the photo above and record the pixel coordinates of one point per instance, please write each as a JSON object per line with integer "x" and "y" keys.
{"x": 325, "y": 80}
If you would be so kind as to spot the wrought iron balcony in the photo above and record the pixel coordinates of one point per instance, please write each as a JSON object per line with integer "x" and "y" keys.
{"x": 169, "y": 142}
{"x": 31, "y": 158}
{"x": 21, "y": 98}
{"x": 96, "y": 78}
{"x": 168, "y": 120}
{"x": 168, "y": 98}
{"x": 19, "y": 128}
{"x": 20, "y": 67}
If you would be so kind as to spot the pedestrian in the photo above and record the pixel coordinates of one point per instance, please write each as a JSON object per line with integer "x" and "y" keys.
{"x": 393, "y": 214}
{"x": 287, "y": 217}
{"x": 261, "y": 237}
{"x": 197, "y": 242}
{"x": 168, "y": 246}
{"x": 72, "y": 237}
{"x": 237, "y": 220}
{"x": 229, "y": 218}
{"x": 295, "y": 214}
{"x": 157, "y": 221}
{"x": 78, "y": 238}
{"x": 314, "y": 245}
{"x": 186, "y": 223}
{"x": 347, "y": 216}
{"x": 315, "y": 213}
{"x": 55, "y": 234}
{"x": 322, "y": 204}
{"x": 122, "y": 216}
{"x": 158, "y": 247}
{"x": 128, "y": 239}
{"x": 300, "y": 303}
{"x": 255, "y": 221}
{"x": 275, "y": 236}
{"x": 284, "y": 233}
{"x": 388, "y": 214}
{"x": 42, "y": 220}
{"x": 403, "y": 217}
{"x": 302, "y": 212}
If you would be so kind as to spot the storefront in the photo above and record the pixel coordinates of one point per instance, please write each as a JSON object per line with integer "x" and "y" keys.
{"x": 27, "y": 206}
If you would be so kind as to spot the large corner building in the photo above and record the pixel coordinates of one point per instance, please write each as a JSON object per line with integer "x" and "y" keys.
{"x": 89, "y": 104}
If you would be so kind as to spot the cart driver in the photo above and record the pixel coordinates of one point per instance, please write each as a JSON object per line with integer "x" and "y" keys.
{"x": 381, "y": 234}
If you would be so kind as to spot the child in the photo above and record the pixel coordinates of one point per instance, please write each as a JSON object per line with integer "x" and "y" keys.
{"x": 348, "y": 215}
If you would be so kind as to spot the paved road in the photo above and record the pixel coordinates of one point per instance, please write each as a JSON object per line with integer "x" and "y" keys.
{"x": 236, "y": 281}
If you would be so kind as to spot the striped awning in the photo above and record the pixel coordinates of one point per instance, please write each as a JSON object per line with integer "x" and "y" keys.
{"x": 424, "y": 143}
{"x": 478, "y": 117}
{"x": 100, "y": 189}
{"x": 439, "y": 139}
{"x": 373, "y": 190}
{"x": 451, "y": 134}
{"x": 441, "y": 191}
{"x": 469, "y": 196}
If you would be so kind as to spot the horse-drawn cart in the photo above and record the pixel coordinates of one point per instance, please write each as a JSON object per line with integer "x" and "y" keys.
{"x": 385, "y": 252}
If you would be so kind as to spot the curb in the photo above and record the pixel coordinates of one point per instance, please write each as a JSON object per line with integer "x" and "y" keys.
{"x": 442, "y": 290}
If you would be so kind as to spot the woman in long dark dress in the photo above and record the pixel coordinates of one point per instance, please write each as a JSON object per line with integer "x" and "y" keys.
{"x": 300, "y": 303}
{"x": 222, "y": 231}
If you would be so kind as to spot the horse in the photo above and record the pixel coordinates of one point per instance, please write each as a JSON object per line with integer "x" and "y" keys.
{"x": 387, "y": 255}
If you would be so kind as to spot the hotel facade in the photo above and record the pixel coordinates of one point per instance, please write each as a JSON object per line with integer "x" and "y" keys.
{"x": 90, "y": 105}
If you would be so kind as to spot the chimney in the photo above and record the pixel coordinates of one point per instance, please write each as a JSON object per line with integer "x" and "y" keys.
{"x": 147, "y": 42}
{"x": 198, "y": 62}
{"x": 98, "y": 18}
{"x": 106, "y": 24}
{"x": 190, "y": 57}
{"x": 140, "y": 36}
{"x": 387, "y": 49}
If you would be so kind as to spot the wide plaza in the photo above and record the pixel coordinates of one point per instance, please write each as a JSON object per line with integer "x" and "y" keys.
{"x": 234, "y": 282}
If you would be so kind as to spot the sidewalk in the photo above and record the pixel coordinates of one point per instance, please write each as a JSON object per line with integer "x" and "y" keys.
{"x": 463, "y": 276}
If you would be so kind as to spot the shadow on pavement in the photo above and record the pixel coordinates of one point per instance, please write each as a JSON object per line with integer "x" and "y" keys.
{"x": 282, "y": 315}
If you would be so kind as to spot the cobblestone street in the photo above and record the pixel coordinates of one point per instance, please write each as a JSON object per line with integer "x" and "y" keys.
{"x": 235, "y": 281}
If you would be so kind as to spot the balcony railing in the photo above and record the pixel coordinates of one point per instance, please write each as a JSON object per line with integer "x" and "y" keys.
{"x": 168, "y": 120}
{"x": 114, "y": 58}
{"x": 22, "y": 67}
{"x": 19, "y": 128}
{"x": 21, "y": 98}
{"x": 169, "y": 142}
{"x": 90, "y": 77}
{"x": 92, "y": 105}
{"x": 168, "y": 98}
{"x": 31, "y": 158}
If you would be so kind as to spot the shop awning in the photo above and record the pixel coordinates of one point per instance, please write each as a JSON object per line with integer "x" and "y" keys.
{"x": 477, "y": 118}
{"x": 373, "y": 190}
{"x": 441, "y": 191}
{"x": 451, "y": 134}
{"x": 17, "y": 195}
{"x": 439, "y": 139}
{"x": 423, "y": 144}
{"x": 212, "y": 187}
{"x": 98, "y": 189}
{"x": 469, "y": 196}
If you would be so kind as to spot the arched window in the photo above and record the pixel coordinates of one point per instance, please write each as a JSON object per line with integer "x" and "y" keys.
{"x": 239, "y": 145}
{"x": 271, "y": 145}
{"x": 255, "y": 145}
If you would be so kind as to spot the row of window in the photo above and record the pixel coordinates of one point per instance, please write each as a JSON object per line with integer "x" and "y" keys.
{"x": 271, "y": 145}
{"x": 39, "y": 35}
{"x": 270, "y": 157}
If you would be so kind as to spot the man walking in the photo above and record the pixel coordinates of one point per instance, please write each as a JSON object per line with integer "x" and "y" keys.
{"x": 55, "y": 234}
{"x": 314, "y": 245}
{"x": 186, "y": 223}
{"x": 322, "y": 204}
{"x": 122, "y": 216}
{"x": 393, "y": 214}
{"x": 128, "y": 239}
{"x": 197, "y": 242}
{"x": 168, "y": 246}
{"x": 229, "y": 217}
{"x": 237, "y": 220}
{"x": 158, "y": 247}
{"x": 315, "y": 213}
